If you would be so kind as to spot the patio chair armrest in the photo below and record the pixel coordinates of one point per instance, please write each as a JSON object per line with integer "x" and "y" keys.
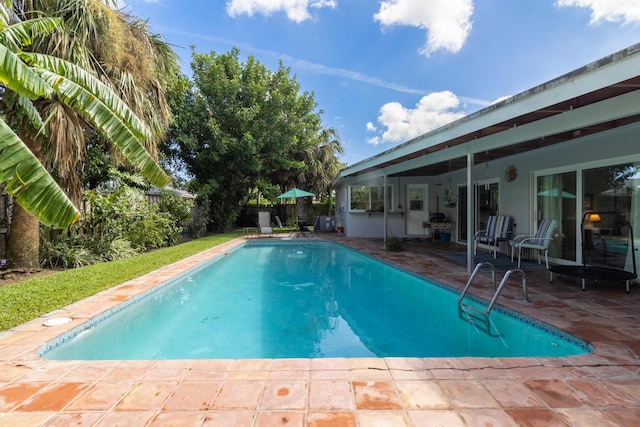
{"x": 480, "y": 233}
{"x": 525, "y": 240}
{"x": 521, "y": 237}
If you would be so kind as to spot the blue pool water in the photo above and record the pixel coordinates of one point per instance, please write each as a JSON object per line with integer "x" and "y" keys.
{"x": 303, "y": 299}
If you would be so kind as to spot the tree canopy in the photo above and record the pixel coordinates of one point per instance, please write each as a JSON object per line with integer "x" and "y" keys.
{"x": 239, "y": 126}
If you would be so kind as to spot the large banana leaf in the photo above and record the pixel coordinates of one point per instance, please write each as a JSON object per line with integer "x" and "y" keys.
{"x": 72, "y": 72}
{"x": 106, "y": 111}
{"x": 23, "y": 107}
{"x": 19, "y": 77}
{"x": 30, "y": 183}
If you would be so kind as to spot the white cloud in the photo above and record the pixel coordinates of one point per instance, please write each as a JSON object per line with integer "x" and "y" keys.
{"x": 431, "y": 112}
{"x": 448, "y": 22}
{"x": 296, "y": 10}
{"x": 371, "y": 127}
{"x": 627, "y": 11}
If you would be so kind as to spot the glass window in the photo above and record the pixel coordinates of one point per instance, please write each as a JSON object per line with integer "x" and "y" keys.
{"x": 487, "y": 202}
{"x": 368, "y": 198}
{"x": 612, "y": 193}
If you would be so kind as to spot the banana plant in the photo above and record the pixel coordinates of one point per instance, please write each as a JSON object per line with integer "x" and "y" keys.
{"x": 25, "y": 77}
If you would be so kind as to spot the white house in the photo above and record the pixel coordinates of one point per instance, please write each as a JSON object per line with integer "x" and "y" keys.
{"x": 559, "y": 150}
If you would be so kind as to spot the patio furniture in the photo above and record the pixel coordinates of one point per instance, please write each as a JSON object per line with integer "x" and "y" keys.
{"x": 539, "y": 241}
{"x": 603, "y": 268}
{"x": 264, "y": 223}
{"x": 498, "y": 230}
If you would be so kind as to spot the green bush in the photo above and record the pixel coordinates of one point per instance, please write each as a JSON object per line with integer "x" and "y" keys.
{"x": 116, "y": 225}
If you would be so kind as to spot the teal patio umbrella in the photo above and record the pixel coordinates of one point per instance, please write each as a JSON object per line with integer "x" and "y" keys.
{"x": 294, "y": 193}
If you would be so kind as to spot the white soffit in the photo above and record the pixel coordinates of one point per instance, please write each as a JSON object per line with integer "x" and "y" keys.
{"x": 605, "y": 72}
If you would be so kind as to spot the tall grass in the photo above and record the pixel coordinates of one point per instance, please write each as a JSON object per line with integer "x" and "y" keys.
{"x": 26, "y": 300}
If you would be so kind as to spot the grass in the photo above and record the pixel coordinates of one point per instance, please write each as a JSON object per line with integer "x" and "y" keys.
{"x": 23, "y": 301}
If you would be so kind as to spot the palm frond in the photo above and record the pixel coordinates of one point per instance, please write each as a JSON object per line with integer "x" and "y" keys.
{"x": 112, "y": 124}
{"x": 30, "y": 183}
{"x": 22, "y": 33}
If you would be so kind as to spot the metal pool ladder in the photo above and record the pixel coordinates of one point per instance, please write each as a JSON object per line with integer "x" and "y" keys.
{"x": 493, "y": 280}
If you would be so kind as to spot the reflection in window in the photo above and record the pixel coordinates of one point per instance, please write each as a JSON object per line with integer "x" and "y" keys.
{"x": 368, "y": 198}
{"x": 614, "y": 191}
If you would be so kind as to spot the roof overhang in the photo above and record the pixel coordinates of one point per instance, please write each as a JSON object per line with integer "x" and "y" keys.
{"x": 598, "y": 97}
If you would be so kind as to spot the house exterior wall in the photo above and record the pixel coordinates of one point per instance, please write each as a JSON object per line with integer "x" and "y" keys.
{"x": 615, "y": 146}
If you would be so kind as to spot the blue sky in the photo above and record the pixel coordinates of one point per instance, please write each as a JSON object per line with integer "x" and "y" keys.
{"x": 386, "y": 71}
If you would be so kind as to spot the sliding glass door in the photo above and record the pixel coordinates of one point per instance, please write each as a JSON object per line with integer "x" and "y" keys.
{"x": 557, "y": 199}
{"x": 487, "y": 203}
{"x": 612, "y": 194}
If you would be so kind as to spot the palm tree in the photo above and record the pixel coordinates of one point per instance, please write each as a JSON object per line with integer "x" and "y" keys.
{"x": 322, "y": 162}
{"x": 68, "y": 84}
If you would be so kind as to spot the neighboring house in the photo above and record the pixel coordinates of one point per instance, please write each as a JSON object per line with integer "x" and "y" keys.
{"x": 154, "y": 194}
{"x": 558, "y": 150}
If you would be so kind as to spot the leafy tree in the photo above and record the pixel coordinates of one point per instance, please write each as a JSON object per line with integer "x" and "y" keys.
{"x": 84, "y": 81}
{"x": 240, "y": 126}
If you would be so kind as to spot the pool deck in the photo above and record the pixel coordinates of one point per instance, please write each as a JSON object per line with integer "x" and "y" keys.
{"x": 598, "y": 389}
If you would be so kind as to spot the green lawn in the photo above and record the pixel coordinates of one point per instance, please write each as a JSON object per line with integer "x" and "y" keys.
{"x": 26, "y": 300}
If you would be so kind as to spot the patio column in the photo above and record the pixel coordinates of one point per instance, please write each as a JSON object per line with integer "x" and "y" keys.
{"x": 386, "y": 208}
{"x": 470, "y": 212}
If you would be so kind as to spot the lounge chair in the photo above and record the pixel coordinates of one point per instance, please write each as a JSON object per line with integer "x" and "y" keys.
{"x": 264, "y": 223}
{"x": 498, "y": 230}
{"x": 305, "y": 231}
{"x": 540, "y": 241}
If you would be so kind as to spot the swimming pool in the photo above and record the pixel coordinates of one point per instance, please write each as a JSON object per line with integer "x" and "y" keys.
{"x": 306, "y": 300}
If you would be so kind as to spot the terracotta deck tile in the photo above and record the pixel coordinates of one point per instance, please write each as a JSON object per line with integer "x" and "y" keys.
{"x": 627, "y": 417}
{"x": 511, "y": 393}
{"x": 239, "y": 395}
{"x": 25, "y": 419}
{"x": 53, "y": 398}
{"x": 436, "y": 418}
{"x": 146, "y": 396}
{"x": 178, "y": 419}
{"x": 13, "y": 395}
{"x": 601, "y": 393}
{"x": 467, "y": 394}
{"x": 587, "y": 417}
{"x": 331, "y": 419}
{"x": 99, "y": 397}
{"x": 376, "y": 395}
{"x": 326, "y": 395}
{"x": 290, "y": 364}
{"x": 193, "y": 395}
{"x": 66, "y": 419}
{"x": 330, "y": 364}
{"x": 384, "y": 418}
{"x": 11, "y": 372}
{"x": 125, "y": 419}
{"x": 284, "y": 394}
{"x": 536, "y": 418}
{"x": 556, "y": 393}
{"x": 602, "y": 388}
{"x": 419, "y": 394}
{"x": 273, "y": 419}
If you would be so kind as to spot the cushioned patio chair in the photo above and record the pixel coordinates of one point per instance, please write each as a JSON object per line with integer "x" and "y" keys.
{"x": 539, "y": 241}
{"x": 498, "y": 230}
{"x": 485, "y": 236}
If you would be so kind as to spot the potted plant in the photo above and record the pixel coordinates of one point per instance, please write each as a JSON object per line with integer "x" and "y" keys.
{"x": 394, "y": 244}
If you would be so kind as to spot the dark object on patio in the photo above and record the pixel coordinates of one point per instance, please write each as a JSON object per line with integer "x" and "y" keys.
{"x": 600, "y": 272}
